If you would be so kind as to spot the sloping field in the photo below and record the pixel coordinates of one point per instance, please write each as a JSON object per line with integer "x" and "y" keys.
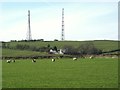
{"x": 63, "y": 73}
{"x": 15, "y": 53}
{"x": 105, "y": 45}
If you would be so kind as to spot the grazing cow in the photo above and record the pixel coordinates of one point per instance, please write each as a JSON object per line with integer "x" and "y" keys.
{"x": 13, "y": 60}
{"x": 33, "y": 60}
{"x": 91, "y": 57}
{"x": 53, "y": 60}
{"x": 74, "y": 58}
{"x": 8, "y": 61}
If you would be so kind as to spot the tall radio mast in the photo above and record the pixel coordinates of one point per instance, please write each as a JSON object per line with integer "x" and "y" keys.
{"x": 29, "y": 36}
{"x": 62, "y": 34}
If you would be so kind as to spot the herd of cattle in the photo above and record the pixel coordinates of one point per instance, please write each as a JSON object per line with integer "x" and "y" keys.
{"x": 53, "y": 59}
{"x": 34, "y": 60}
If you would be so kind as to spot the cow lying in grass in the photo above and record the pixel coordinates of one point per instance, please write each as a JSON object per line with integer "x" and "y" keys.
{"x": 74, "y": 58}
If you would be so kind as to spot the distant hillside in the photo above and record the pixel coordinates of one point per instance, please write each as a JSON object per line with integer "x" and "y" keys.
{"x": 11, "y": 53}
{"x": 10, "y": 50}
{"x": 105, "y": 45}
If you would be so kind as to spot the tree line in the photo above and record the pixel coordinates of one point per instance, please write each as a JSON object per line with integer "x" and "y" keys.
{"x": 83, "y": 49}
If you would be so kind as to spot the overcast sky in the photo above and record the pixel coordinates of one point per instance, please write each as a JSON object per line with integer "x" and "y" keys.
{"x": 83, "y": 20}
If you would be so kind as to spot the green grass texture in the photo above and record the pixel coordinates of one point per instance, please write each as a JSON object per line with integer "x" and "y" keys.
{"x": 14, "y": 53}
{"x": 63, "y": 73}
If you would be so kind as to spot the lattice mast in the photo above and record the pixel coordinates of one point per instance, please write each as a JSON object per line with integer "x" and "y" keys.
{"x": 29, "y": 36}
{"x": 62, "y": 34}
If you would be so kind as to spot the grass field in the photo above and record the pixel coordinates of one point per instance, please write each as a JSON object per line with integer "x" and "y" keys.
{"x": 63, "y": 73}
{"x": 24, "y": 53}
{"x": 15, "y": 53}
{"x": 0, "y": 74}
{"x": 105, "y": 45}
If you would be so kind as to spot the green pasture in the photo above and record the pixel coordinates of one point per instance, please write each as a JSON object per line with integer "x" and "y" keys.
{"x": 63, "y": 73}
{"x": 105, "y": 45}
{"x": 24, "y": 53}
{"x": 0, "y": 74}
{"x": 15, "y": 53}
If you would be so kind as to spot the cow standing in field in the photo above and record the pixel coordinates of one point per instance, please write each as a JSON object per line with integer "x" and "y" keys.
{"x": 8, "y": 61}
{"x": 34, "y": 60}
{"x": 13, "y": 60}
{"x": 53, "y": 60}
{"x": 91, "y": 57}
